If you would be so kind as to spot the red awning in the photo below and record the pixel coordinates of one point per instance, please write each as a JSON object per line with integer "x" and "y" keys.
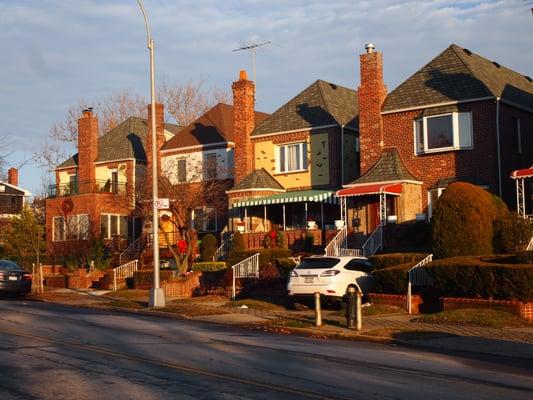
{"x": 372, "y": 188}
{"x": 522, "y": 173}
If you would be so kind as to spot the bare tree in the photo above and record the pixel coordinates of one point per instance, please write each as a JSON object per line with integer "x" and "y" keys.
{"x": 4, "y": 153}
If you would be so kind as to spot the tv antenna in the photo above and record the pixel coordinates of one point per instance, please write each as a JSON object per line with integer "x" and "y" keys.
{"x": 252, "y": 48}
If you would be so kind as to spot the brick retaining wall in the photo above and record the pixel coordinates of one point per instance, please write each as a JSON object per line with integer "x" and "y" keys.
{"x": 522, "y": 309}
{"x": 398, "y": 300}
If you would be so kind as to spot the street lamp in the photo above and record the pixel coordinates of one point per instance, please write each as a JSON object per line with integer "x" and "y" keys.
{"x": 157, "y": 295}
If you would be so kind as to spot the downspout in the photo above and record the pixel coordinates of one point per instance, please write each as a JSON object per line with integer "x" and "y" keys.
{"x": 498, "y": 146}
{"x": 342, "y": 155}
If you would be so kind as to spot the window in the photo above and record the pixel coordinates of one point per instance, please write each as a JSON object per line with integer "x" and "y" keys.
{"x": 205, "y": 219}
{"x": 74, "y": 227}
{"x": 443, "y": 132}
{"x": 517, "y": 136}
{"x": 359, "y": 265}
{"x": 210, "y": 166}
{"x": 292, "y": 157}
{"x": 112, "y": 225}
{"x": 114, "y": 182}
{"x": 182, "y": 170}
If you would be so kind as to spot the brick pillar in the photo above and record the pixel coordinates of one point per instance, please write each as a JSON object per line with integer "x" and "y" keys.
{"x": 160, "y": 138}
{"x": 13, "y": 176}
{"x": 371, "y": 92}
{"x": 87, "y": 145}
{"x": 243, "y": 124}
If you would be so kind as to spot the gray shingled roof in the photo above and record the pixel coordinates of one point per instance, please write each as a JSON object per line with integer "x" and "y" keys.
{"x": 389, "y": 167}
{"x": 458, "y": 74}
{"x": 126, "y": 140}
{"x": 258, "y": 179}
{"x": 322, "y": 103}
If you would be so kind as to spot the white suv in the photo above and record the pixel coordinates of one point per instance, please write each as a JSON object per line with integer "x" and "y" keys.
{"x": 330, "y": 276}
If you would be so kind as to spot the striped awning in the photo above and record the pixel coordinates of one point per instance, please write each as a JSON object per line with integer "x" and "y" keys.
{"x": 372, "y": 188}
{"x": 522, "y": 173}
{"x": 300, "y": 196}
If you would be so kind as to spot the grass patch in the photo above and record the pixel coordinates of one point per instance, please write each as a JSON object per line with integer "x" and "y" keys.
{"x": 476, "y": 317}
{"x": 256, "y": 304}
{"x": 293, "y": 323}
{"x": 130, "y": 294}
{"x": 190, "y": 310}
{"x": 374, "y": 309}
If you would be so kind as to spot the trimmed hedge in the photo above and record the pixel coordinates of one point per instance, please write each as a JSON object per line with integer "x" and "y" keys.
{"x": 285, "y": 266}
{"x": 208, "y": 247}
{"x": 266, "y": 256}
{"x": 392, "y": 280}
{"x": 147, "y": 276}
{"x": 473, "y": 277}
{"x": 392, "y": 259}
{"x": 209, "y": 266}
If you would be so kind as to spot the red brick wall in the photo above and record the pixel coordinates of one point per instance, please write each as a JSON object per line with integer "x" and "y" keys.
{"x": 522, "y": 309}
{"x": 371, "y": 93}
{"x": 87, "y": 146}
{"x": 243, "y": 124}
{"x": 397, "y": 300}
{"x": 188, "y": 287}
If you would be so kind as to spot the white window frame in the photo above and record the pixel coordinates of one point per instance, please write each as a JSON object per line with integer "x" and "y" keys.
{"x": 65, "y": 228}
{"x": 455, "y": 131}
{"x": 303, "y": 156}
{"x": 108, "y": 223}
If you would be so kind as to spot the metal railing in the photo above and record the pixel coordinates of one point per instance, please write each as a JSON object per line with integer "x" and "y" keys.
{"x": 86, "y": 187}
{"x": 247, "y": 268}
{"x": 374, "y": 242}
{"x": 530, "y": 244}
{"x": 223, "y": 250}
{"x": 338, "y": 242}
{"x": 132, "y": 251}
{"x": 124, "y": 271}
{"x": 350, "y": 252}
{"x": 418, "y": 276}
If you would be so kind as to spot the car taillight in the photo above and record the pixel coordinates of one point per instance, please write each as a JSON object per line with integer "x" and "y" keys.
{"x": 330, "y": 272}
{"x": 294, "y": 274}
{"x": 26, "y": 277}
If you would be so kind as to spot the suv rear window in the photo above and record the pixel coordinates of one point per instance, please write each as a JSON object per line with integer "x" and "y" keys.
{"x": 318, "y": 263}
{"x": 9, "y": 266}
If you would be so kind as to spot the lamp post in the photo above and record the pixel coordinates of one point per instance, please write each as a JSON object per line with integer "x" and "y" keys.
{"x": 157, "y": 295}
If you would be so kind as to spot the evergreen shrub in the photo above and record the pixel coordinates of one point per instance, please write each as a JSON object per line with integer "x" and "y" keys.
{"x": 208, "y": 247}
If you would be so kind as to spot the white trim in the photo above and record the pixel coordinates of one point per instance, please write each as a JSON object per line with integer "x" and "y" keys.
{"x": 302, "y": 147}
{"x": 26, "y": 193}
{"x": 446, "y": 103}
{"x": 456, "y": 139}
{"x": 351, "y": 185}
{"x": 255, "y": 190}
{"x": 195, "y": 147}
{"x": 311, "y": 128}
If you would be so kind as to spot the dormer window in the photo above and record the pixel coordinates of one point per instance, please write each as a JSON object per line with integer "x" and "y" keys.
{"x": 443, "y": 132}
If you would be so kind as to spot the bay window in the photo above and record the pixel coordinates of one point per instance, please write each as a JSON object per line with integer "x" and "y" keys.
{"x": 443, "y": 132}
{"x": 292, "y": 157}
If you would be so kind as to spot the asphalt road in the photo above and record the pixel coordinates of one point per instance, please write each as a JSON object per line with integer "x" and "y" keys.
{"x": 49, "y": 351}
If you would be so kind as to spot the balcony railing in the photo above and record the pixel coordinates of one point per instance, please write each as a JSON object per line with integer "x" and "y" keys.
{"x": 87, "y": 187}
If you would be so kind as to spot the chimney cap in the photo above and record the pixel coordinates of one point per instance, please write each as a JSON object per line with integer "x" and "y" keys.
{"x": 243, "y": 76}
{"x": 88, "y": 111}
{"x": 369, "y": 47}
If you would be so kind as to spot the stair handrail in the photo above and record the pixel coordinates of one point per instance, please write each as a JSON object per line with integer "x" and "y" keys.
{"x": 131, "y": 252}
{"x": 417, "y": 275}
{"x": 338, "y": 242}
{"x": 530, "y": 244}
{"x": 223, "y": 250}
{"x": 374, "y": 242}
{"x": 247, "y": 268}
{"x": 124, "y": 271}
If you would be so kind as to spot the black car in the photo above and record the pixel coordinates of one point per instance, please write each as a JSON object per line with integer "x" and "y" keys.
{"x": 13, "y": 279}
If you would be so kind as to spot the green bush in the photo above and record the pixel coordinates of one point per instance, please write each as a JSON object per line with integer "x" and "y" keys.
{"x": 392, "y": 280}
{"x": 209, "y": 266}
{"x": 392, "y": 259}
{"x": 147, "y": 276}
{"x": 285, "y": 265}
{"x": 208, "y": 247}
{"x": 237, "y": 244}
{"x": 309, "y": 241}
{"x": 462, "y": 223}
{"x": 473, "y": 277}
{"x": 512, "y": 233}
{"x": 266, "y": 256}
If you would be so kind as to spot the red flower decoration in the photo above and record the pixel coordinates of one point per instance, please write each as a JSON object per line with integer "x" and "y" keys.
{"x": 182, "y": 246}
{"x": 273, "y": 235}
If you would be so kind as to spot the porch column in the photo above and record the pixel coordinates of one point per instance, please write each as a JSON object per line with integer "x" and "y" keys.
{"x": 265, "y": 218}
{"x": 284, "y": 217}
{"x": 322, "y": 215}
{"x": 306, "y": 214}
{"x": 246, "y": 219}
{"x": 383, "y": 208}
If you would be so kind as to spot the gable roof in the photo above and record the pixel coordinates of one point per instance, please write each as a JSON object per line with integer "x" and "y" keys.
{"x": 320, "y": 104}
{"x": 388, "y": 168}
{"x": 458, "y": 74}
{"x": 214, "y": 126}
{"x": 15, "y": 190}
{"x": 126, "y": 140}
{"x": 258, "y": 179}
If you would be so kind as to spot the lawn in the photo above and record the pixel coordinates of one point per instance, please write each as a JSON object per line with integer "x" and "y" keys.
{"x": 476, "y": 317}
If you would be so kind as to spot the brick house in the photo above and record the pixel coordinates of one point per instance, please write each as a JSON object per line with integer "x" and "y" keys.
{"x": 12, "y": 198}
{"x": 96, "y": 190}
{"x": 288, "y": 167}
{"x": 460, "y": 117}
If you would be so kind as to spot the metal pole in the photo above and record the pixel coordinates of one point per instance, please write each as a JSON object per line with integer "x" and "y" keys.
{"x": 409, "y": 297}
{"x": 157, "y": 296}
{"x": 318, "y": 311}
{"x": 245, "y": 219}
{"x": 233, "y": 295}
{"x": 322, "y": 215}
{"x": 358, "y": 311}
{"x": 265, "y": 218}
{"x": 284, "y": 225}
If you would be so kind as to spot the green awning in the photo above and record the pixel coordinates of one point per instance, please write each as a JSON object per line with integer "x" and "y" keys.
{"x": 319, "y": 196}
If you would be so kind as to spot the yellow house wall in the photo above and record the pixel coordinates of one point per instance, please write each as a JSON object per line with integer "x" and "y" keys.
{"x": 317, "y": 173}
{"x": 64, "y": 177}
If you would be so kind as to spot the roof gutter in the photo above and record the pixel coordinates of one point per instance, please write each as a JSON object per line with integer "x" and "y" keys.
{"x": 498, "y": 149}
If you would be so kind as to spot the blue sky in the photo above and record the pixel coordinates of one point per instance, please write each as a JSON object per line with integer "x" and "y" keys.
{"x": 55, "y": 52}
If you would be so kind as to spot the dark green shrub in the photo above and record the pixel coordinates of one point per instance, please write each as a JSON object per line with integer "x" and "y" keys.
{"x": 143, "y": 277}
{"x": 511, "y": 233}
{"x": 524, "y": 257}
{"x": 266, "y": 256}
{"x": 309, "y": 241}
{"x": 237, "y": 244}
{"x": 209, "y": 266}
{"x": 392, "y": 280}
{"x": 392, "y": 259}
{"x": 208, "y": 247}
{"x": 462, "y": 223}
{"x": 267, "y": 242}
{"x": 285, "y": 265}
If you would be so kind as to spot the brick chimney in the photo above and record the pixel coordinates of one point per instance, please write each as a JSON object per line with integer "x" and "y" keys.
{"x": 13, "y": 176}
{"x": 160, "y": 138}
{"x": 371, "y": 92}
{"x": 243, "y": 124}
{"x": 87, "y": 145}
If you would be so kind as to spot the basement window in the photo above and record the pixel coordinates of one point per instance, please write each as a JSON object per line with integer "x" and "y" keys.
{"x": 443, "y": 132}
